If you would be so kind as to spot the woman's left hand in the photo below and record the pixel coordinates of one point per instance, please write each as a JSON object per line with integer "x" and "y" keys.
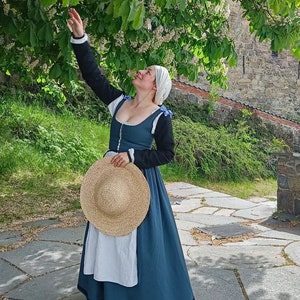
{"x": 120, "y": 160}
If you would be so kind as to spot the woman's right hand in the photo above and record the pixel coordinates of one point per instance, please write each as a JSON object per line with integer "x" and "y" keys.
{"x": 75, "y": 23}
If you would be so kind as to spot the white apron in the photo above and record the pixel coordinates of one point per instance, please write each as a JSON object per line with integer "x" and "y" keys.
{"x": 111, "y": 258}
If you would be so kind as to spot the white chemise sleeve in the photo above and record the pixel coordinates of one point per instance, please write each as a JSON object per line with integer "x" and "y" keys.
{"x": 113, "y": 105}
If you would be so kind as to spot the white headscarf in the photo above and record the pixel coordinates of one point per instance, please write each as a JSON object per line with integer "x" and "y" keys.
{"x": 163, "y": 84}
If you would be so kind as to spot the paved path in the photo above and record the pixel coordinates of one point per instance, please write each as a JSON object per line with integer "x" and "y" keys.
{"x": 234, "y": 250}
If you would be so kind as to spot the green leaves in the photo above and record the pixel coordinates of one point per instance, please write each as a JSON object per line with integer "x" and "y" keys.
{"x": 129, "y": 11}
{"x": 139, "y": 17}
{"x": 185, "y": 36}
{"x": 275, "y": 20}
{"x": 65, "y": 3}
{"x": 284, "y": 8}
{"x": 45, "y": 32}
{"x": 296, "y": 50}
{"x": 55, "y": 71}
{"x": 47, "y": 3}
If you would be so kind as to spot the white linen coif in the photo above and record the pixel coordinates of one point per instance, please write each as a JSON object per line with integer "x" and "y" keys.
{"x": 163, "y": 84}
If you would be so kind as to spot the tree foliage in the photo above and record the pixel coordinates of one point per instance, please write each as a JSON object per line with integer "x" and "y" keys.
{"x": 185, "y": 36}
{"x": 277, "y": 21}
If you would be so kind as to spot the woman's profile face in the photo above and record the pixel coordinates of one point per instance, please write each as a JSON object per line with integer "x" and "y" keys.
{"x": 145, "y": 79}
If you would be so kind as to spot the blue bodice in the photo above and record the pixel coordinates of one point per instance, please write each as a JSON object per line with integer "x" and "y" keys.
{"x": 125, "y": 136}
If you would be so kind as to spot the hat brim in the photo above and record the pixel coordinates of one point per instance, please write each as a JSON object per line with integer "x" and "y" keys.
{"x": 115, "y": 181}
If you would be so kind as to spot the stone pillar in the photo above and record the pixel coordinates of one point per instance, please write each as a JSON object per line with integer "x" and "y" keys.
{"x": 296, "y": 141}
{"x": 288, "y": 193}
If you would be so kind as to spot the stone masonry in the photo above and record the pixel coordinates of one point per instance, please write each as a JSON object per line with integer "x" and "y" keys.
{"x": 265, "y": 80}
{"x": 288, "y": 193}
{"x": 286, "y": 129}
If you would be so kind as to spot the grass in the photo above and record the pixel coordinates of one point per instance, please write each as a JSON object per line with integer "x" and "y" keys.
{"x": 244, "y": 190}
{"x": 259, "y": 188}
{"x": 32, "y": 183}
{"x": 38, "y": 183}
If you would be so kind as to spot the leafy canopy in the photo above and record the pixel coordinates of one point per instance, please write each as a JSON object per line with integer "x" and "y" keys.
{"x": 186, "y": 36}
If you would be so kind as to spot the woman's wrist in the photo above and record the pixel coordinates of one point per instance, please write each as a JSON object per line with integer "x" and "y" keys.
{"x": 79, "y": 40}
{"x": 77, "y": 37}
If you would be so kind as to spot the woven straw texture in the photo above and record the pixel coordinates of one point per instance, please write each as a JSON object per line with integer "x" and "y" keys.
{"x": 115, "y": 200}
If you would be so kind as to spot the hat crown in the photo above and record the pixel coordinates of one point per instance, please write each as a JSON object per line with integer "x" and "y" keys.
{"x": 112, "y": 204}
{"x": 115, "y": 200}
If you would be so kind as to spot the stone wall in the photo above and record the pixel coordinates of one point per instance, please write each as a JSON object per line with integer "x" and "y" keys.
{"x": 224, "y": 109}
{"x": 261, "y": 78}
{"x": 288, "y": 193}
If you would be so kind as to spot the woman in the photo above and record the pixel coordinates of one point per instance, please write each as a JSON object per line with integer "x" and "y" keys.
{"x": 155, "y": 267}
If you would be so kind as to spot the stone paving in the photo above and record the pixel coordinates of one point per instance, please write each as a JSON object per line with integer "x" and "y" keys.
{"x": 234, "y": 249}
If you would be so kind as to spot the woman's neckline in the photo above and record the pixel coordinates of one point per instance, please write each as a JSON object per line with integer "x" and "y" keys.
{"x": 135, "y": 124}
{"x": 128, "y": 98}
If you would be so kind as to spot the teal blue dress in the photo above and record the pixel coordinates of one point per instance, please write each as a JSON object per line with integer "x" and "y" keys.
{"x": 162, "y": 271}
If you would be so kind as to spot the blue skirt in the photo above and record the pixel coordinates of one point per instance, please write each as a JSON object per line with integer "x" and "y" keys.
{"x": 162, "y": 272}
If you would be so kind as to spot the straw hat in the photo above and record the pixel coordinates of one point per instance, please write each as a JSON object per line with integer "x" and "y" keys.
{"x": 114, "y": 199}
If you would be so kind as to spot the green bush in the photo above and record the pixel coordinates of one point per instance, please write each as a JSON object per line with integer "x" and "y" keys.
{"x": 72, "y": 154}
{"x": 214, "y": 154}
{"x": 240, "y": 150}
